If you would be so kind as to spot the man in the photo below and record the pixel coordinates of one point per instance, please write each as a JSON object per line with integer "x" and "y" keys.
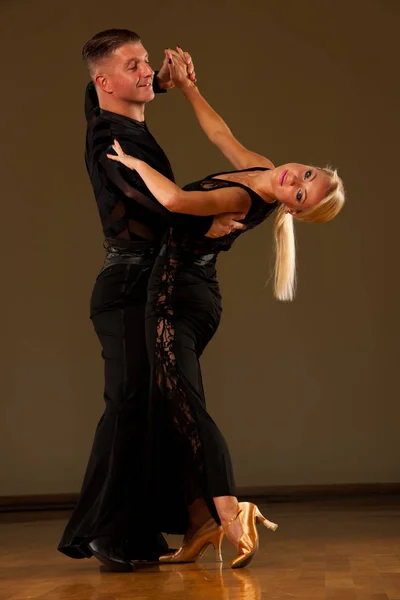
{"x": 134, "y": 225}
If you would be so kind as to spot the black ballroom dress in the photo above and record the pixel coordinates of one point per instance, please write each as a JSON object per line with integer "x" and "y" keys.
{"x": 187, "y": 455}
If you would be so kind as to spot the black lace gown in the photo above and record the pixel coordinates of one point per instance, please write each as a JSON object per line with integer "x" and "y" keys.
{"x": 187, "y": 455}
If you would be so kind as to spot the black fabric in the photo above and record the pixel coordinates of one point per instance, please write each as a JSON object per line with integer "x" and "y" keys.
{"x": 156, "y": 85}
{"x": 258, "y": 212}
{"x": 133, "y": 223}
{"x": 111, "y": 503}
{"x": 126, "y": 207}
{"x": 156, "y": 448}
{"x": 187, "y": 455}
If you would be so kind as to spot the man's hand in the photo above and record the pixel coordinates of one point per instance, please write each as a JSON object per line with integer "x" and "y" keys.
{"x": 225, "y": 224}
{"x": 175, "y": 60}
{"x": 163, "y": 76}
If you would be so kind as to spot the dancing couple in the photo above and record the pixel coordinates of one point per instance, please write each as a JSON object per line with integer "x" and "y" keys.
{"x": 159, "y": 464}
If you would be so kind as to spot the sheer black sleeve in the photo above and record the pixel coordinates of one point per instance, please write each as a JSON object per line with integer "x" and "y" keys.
{"x": 119, "y": 216}
{"x": 133, "y": 187}
{"x": 156, "y": 86}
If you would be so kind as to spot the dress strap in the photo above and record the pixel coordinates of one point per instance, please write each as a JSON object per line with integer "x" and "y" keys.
{"x": 237, "y": 171}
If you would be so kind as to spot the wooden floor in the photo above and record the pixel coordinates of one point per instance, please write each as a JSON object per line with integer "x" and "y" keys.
{"x": 321, "y": 551}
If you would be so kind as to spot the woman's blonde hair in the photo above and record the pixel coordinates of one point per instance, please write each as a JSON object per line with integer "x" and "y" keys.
{"x": 285, "y": 248}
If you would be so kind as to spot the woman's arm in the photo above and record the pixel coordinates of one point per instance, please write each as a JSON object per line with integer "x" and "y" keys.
{"x": 212, "y": 123}
{"x": 219, "y": 133}
{"x": 213, "y": 202}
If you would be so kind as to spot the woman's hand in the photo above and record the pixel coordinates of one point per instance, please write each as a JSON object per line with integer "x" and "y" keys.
{"x": 181, "y": 68}
{"x": 187, "y": 59}
{"x": 164, "y": 76}
{"x": 125, "y": 159}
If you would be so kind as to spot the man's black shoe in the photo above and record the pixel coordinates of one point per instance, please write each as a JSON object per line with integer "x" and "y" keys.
{"x": 110, "y": 555}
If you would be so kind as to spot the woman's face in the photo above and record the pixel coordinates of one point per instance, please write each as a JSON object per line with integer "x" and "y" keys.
{"x": 299, "y": 187}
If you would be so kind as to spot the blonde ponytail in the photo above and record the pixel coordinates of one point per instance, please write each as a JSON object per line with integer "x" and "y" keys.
{"x": 285, "y": 255}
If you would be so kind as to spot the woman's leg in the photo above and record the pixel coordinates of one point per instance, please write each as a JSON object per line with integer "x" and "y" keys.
{"x": 227, "y": 508}
{"x": 183, "y": 316}
{"x": 217, "y": 462}
{"x": 189, "y": 345}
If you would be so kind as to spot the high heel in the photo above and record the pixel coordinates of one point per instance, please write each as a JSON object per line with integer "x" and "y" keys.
{"x": 248, "y": 515}
{"x": 209, "y": 534}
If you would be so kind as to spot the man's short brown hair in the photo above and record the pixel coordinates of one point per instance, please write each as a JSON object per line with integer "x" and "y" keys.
{"x": 104, "y": 43}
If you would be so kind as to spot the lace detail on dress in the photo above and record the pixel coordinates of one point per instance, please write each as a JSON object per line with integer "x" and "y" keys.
{"x": 167, "y": 374}
{"x": 214, "y": 184}
{"x": 180, "y": 249}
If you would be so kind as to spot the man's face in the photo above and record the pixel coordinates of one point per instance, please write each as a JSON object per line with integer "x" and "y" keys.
{"x": 127, "y": 74}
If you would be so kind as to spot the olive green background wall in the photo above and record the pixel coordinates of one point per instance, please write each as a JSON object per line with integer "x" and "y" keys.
{"x": 305, "y": 393}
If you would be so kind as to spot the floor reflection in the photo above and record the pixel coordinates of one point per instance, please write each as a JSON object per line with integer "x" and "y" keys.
{"x": 175, "y": 582}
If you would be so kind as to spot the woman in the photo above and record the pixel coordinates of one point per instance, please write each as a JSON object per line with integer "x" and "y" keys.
{"x": 190, "y": 479}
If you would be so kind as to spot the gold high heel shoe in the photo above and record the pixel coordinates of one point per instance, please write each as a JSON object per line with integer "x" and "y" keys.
{"x": 209, "y": 534}
{"x": 248, "y": 515}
